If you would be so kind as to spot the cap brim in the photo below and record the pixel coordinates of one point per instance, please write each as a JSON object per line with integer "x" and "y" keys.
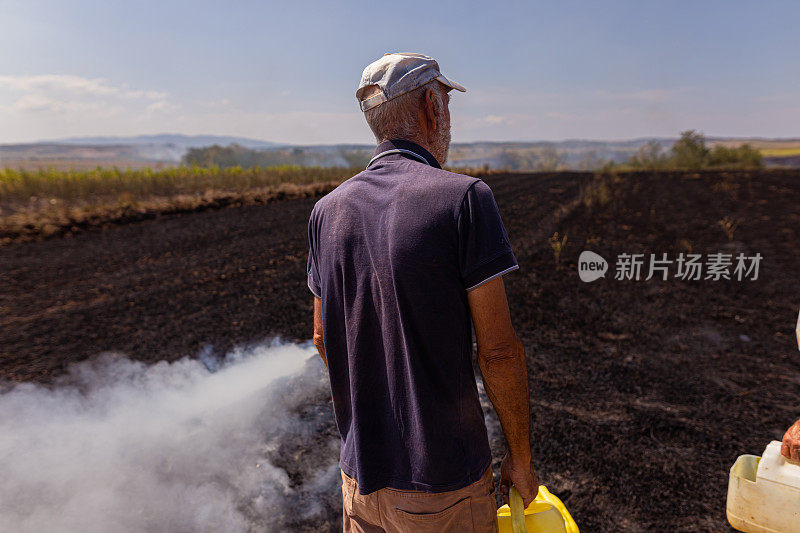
{"x": 452, "y": 84}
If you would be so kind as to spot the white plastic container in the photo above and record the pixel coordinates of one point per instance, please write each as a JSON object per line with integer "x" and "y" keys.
{"x": 764, "y": 493}
{"x": 797, "y": 331}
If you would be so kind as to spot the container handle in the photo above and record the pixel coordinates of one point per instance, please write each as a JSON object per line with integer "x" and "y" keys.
{"x": 517, "y": 511}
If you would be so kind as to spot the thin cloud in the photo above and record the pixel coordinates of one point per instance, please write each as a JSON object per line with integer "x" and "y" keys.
{"x": 77, "y": 85}
{"x": 495, "y": 119}
{"x": 55, "y": 102}
{"x": 33, "y": 102}
{"x": 161, "y": 105}
{"x": 58, "y": 82}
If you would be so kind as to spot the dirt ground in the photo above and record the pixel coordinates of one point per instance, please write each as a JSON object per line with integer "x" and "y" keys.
{"x": 643, "y": 392}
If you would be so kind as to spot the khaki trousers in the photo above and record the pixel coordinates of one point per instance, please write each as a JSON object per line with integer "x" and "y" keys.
{"x": 470, "y": 509}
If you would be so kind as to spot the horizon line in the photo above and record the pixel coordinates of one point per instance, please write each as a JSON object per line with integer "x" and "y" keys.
{"x": 276, "y": 144}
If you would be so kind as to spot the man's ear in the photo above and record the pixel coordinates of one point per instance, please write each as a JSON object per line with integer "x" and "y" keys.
{"x": 431, "y": 112}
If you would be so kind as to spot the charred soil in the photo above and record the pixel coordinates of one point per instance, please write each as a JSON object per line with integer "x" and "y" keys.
{"x": 642, "y": 392}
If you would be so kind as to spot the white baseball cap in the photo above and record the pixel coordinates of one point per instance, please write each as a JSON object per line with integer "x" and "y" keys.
{"x": 398, "y": 73}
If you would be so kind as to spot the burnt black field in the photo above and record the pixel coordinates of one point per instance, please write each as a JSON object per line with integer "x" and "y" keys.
{"x": 643, "y": 393}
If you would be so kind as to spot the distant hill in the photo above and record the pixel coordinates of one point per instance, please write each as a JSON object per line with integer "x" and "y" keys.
{"x": 175, "y": 139}
{"x": 171, "y": 149}
{"x": 528, "y": 156}
{"x": 537, "y": 155}
{"x": 137, "y": 151}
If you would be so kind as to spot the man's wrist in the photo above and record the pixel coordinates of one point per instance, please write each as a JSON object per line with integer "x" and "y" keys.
{"x": 520, "y": 457}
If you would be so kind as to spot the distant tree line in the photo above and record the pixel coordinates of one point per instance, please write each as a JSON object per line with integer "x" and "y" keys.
{"x": 541, "y": 159}
{"x": 690, "y": 152}
{"x": 235, "y": 155}
{"x": 537, "y": 158}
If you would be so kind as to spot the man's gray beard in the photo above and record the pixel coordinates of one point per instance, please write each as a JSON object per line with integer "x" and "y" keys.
{"x": 441, "y": 145}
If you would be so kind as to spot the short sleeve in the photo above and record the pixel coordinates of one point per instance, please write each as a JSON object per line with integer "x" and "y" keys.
{"x": 312, "y": 269}
{"x": 483, "y": 247}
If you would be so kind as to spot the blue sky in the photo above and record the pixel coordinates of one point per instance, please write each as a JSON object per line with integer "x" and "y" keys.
{"x": 287, "y": 71}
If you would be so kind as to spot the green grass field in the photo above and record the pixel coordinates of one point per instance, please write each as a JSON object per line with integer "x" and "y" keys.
{"x": 101, "y": 185}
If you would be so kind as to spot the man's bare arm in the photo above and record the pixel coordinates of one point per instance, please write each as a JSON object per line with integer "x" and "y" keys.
{"x": 501, "y": 358}
{"x": 318, "y": 342}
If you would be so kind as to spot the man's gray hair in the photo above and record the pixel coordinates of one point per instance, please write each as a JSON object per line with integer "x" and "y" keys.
{"x": 398, "y": 118}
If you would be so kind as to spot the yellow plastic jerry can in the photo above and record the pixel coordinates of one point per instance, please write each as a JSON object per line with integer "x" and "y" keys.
{"x": 545, "y": 514}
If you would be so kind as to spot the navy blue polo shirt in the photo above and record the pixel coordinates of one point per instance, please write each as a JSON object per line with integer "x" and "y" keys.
{"x": 392, "y": 254}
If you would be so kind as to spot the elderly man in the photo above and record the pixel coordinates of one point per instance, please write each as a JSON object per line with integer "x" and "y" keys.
{"x": 404, "y": 258}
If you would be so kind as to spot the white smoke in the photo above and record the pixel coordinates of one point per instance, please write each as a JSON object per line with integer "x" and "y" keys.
{"x": 245, "y": 444}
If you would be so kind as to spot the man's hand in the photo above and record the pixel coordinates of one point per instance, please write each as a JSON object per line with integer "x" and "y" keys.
{"x": 522, "y": 476}
{"x": 791, "y": 442}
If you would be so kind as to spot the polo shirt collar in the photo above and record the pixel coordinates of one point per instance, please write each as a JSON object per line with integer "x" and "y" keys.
{"x": 403, "y": 147}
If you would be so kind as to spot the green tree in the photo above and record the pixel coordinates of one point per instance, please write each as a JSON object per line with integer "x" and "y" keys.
{"x": 690, "y": 151}
{"x": 744, "y": 156}
{"x": 650, "y": 155}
